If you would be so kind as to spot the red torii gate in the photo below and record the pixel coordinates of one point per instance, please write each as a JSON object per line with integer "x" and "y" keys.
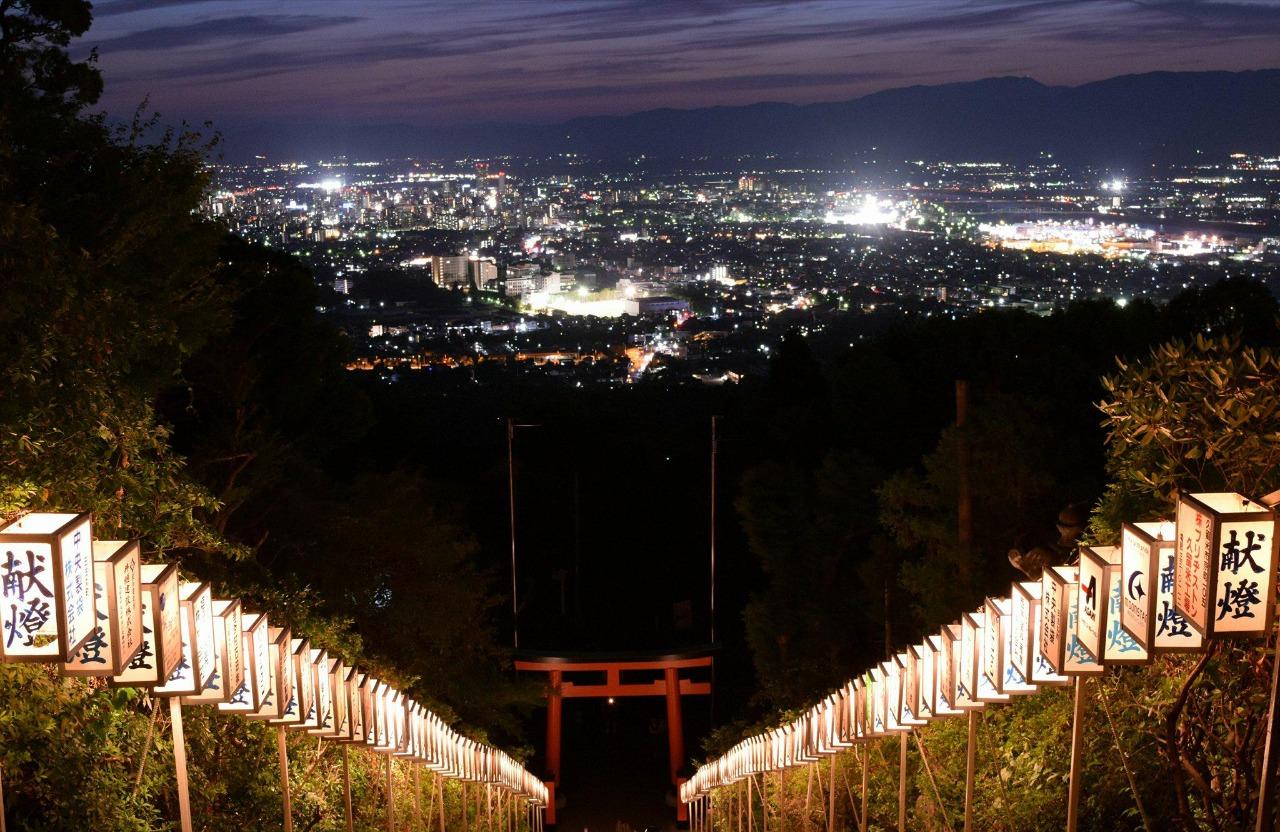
{"x": 560, "y": 669}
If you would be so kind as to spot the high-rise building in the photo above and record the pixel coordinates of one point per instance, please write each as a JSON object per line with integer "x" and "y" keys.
{"x": 484, "y": 273}
{"x": 450, "y": 272}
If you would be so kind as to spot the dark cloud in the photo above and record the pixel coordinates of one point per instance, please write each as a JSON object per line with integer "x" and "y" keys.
{"x": 240, "y": 28}
{"x": 116, "y": 7}
{"x": 551, "y": 59}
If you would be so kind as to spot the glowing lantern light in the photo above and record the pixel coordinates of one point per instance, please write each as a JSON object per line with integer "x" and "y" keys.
{"x": 1146, "y": 609}
{"x": 1224, "y": 567}
{"x": 1024, "y": 649}
{"x": 46, "y": 586}
{"x": 224, "y": 683}
{"x": 256, "y": 649}
{"x": 160, "y": 652}
{"x": 117, "y": 586}
{"x": 195, "y": 609}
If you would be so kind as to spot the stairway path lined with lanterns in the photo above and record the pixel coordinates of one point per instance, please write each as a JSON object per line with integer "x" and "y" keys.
{"x": 94, "y": 608}
{"x": 1170, "y": 587}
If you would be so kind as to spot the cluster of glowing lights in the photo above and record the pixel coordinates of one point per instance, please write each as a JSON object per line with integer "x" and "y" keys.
{"x": 870, "y": 211}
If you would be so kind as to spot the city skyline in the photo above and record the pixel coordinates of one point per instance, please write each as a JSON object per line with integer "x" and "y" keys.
{"x": 446, "y": 63}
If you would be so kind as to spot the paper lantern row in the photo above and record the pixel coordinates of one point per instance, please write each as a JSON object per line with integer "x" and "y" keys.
{"x": 1168, "y": 588}
{"x": 95, "y": 609}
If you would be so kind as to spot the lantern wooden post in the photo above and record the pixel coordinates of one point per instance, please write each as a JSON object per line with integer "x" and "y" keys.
{"x": 831, "y": 793}
{"x": 417, "y": 794}
{"x": 902, "y": 781}
{"x": 391, "y": 800}
{"x": 180, "y": 763}
{"x": 1077, "y": 744}
{"x": 346, "y": 791}
{"x": 750, "y": 814}
{"x": 283, "y": 750}
{"x": 1266, "y": 796}
{"x": 866, "y": 762}
{"x": 971, "y": 760}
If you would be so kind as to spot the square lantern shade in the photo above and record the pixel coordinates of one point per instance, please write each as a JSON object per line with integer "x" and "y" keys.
{"x": 117, "y": 592}
{"x": 1225, "y": 565}
{"x": 225, "y": 681}
{"x": 322, "y": 680}
{"x": 340, "y": 698}
{"x": 1146, "y": 608}
{"x": 46, "y": 580}
{"x": 379, "y": 737}
{"x": 891, "y": 693}
{"x": 1076, "y": 659}
{"x": 1118, "y": 646}
{"x": 941, "y": 705}
{"x": 368, "y": 713}
{"x": 859, "y": 706}
{"x": 969, "y": 679}
{"x": 1057, "y": 594}
{"x": 256, "y": 649}
{"x": 405, "y": 742}
{"x": 160, "y": 650}
{"x": 292, "y": 705}
{"x": 304, "y": 684}
{"x": 878, "y": 725}
{"x": 356, "y": 705}
{"x": 909, "y": 661}
{"x": 847, "y": 718}
{"x": 987, "y": 658}
{"x": 195, "y": 610}
{"x": 926, "y": 687}
{"x": 275, "y": 690}
{"x": 1024, "y": 636}
{"x": 1003, "y": 627}
{"x": 952, "y": 689}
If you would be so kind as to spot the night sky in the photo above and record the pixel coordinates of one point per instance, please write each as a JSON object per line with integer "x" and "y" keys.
{"x": 448, "y": 62}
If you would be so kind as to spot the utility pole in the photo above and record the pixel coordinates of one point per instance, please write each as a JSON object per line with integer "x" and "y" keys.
{"x": 511, "y": 493}
{"x": 714, "y": 448}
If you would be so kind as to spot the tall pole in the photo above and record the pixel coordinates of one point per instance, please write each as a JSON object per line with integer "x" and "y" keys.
{"x": 964, "y": 513}
{"x": 180, "y": 763}
{"x": 970, "y": 763}
{"x": 1077, "y": 746}
{"x": 831, "y": 793}
{"x": 511, "y": 494}
{"x": 346, "y": 791}
{"x": 282, "y": 749}
{"x": 1271, "y": 750}
{"x": 902, "y": 781}
{"x": 714, "y": 450}
{"x": 391, "y": 800}
{"x": 866, "y": 765}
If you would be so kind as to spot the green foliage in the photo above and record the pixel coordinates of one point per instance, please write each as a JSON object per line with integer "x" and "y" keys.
{"x": 1202, "y": 415}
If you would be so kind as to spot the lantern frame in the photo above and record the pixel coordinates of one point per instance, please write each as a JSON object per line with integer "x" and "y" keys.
{"x": 161, "y": 628}
{"x": 113, "y": 560}
{"x": 52, "y": 530}
{"x": 195, "y": 610}
{"x": 1217, "y": 508}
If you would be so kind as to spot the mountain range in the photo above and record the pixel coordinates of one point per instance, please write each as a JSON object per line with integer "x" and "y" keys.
{"x": 1126, "y": 121}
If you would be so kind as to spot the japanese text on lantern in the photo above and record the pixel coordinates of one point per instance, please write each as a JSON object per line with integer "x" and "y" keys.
{"x": 1244, "y": 571}
{"x": 1192, "y": 564}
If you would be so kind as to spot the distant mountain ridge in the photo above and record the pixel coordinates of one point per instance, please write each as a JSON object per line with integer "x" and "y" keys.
{"x": 1123, "y": 121}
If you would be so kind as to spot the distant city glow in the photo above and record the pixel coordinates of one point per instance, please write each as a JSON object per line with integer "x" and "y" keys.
{"x": 872, "y": 211}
